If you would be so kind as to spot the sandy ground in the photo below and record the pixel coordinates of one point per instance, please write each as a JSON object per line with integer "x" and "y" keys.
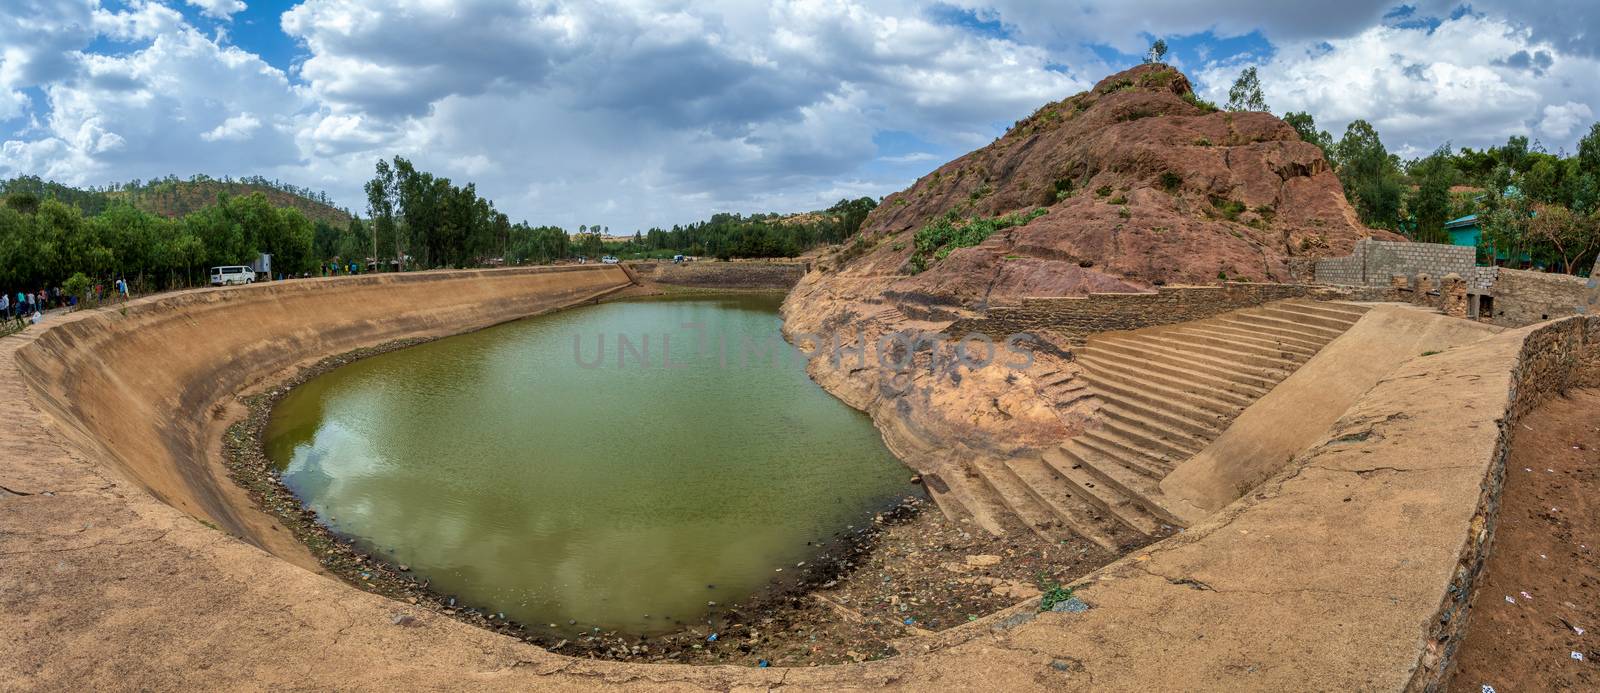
{"x": 1538, "y": 602}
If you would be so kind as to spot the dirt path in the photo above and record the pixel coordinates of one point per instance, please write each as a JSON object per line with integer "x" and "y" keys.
{"x": 1542, "y": 581}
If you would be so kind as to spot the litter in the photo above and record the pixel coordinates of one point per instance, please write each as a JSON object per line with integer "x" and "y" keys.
{"x": 1577, "y": 655}
{"x": 1527, "y": 596}
{"x": 1488, "y": 688}
{"x": 1578, "y": 630}
{"x": 1510, "y": 599}
{"x": 763, "y": 664}
{"x": 711, "y": 638}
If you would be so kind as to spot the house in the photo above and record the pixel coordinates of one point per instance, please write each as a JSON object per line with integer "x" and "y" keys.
{"x": 1469, "y": 232}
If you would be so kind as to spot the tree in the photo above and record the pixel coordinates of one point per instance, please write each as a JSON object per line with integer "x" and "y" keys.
{"x": 1245, "y": 95}
{"x": 1306, "y": 126}
{"x": 1370, "y": 175}
{"x": 1555, "y": 231}
{"x": 1157, "y": 52}
{"x": 1429, "y": 204}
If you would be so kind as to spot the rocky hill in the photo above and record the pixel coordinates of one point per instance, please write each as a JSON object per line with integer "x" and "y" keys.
{"x": 1141, "y": 184}
{"x": 1132, "y": 185}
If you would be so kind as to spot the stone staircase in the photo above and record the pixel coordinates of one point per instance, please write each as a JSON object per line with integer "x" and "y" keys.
{"x": 1164, "y": 394}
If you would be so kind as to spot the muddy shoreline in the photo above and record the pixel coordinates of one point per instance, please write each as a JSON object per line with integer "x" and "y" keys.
{"x": 906, "y": 570}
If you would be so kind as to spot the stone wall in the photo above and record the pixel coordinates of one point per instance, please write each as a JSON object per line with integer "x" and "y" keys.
{"x": 1523, "y": 298}
{"x": 711, "y": 274}
{"x": 1077, "y": 317}
{"x": 1553, "y": 358}
{"x": 1374, "y": 262}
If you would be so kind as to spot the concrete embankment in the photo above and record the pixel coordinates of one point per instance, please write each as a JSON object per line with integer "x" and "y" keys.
{"x": 1335, "y": 574}
{"x": 708, "y": 274}
{"x": 148, "y": 386}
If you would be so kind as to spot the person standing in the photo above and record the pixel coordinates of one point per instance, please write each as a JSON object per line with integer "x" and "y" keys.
{"x": 5, "y": 306}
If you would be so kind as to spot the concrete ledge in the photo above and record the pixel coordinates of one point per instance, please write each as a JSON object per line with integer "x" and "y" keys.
{"x": 1344, "y": 571}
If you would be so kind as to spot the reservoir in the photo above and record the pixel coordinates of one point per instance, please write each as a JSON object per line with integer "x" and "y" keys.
{"x": 524, "y": 470}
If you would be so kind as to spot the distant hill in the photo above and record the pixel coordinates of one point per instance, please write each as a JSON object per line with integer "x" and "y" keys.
{"x": 173, "y": 197}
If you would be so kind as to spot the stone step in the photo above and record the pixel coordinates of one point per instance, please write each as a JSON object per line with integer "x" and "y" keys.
{"x": 1135, "y": 453}
{"x": 1349, "y": 313}
{"x": 1049, "y": 488}
{"x": 1137, "y": 488}
{"x": 1309, "y": 318}
{"x": 1102, "y": 370}
{"x": 1174, "y": 437}
{"x": 1155, "y": 392}
{"x": 1289, "y": 328}
{"x": 1149, "y": 350}
{"x": 1233, "y": 325}
{"x": 1191, "y": 378}
{"x": 1087, "y": 486}
{"x": 1235, "y": 353}
{"x": 1180, "y": 417}
{"x": 1214, "y": 333}
{"x": 1017, "y": 499}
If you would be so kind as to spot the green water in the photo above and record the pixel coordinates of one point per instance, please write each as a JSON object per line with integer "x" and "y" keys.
{"x": 511, "y": 476}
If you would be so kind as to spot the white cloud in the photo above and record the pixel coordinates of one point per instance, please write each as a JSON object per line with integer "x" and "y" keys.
{"x": 633, "y": 113}
{"x": 234, "y": 129}
{"x": 1560, "y": 121}
{"x": 1470, "y": 81}
{"x": 142, "y": 21}
{"x": 219, "y": 9}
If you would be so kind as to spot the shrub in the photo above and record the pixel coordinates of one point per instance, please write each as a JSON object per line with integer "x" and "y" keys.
{"x": 947, "y": 234}
{"x": 1119, "y": 200}
{"x": 1202, "y": 104}
{"x": 1103, "y": 191}
{"x": 1171, "y": 181}
{"x": 1124, "y": 213}
{"x": 78, "y": 285}
{"x": 1228, "y": 209}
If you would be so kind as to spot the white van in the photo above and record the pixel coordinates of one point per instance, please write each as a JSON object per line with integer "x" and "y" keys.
{"x": 232, "y": 274}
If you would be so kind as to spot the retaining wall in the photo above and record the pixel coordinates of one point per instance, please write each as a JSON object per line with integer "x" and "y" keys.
{"x": 709, "y": 274}
{"x": 144, "y": 385}
{"x": 1524, "y": 298}
{"x": 1077, "y": 317}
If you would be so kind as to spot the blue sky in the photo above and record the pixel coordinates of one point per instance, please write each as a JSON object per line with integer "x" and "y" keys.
{"x": 647, "y": 112}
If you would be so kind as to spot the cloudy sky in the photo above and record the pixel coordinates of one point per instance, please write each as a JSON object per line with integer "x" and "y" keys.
{"x": 633, "y": 113}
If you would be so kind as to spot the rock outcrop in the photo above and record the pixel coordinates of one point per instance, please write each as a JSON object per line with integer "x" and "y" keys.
{"x": 1132, "y": 185}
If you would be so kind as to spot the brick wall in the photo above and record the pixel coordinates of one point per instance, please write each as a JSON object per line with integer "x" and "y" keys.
{"x": 1374, "y": 262}
{"x": 1523, "y": 298}
{"x": 1077, "y": 317}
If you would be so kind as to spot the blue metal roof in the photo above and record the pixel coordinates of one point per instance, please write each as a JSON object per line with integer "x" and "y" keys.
{"x": 1468, "y": 220}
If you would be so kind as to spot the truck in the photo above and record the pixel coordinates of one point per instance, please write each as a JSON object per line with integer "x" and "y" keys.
{"x": 262, "y": 266}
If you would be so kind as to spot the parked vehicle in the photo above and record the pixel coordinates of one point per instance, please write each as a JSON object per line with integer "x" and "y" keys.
{"x": 232, "y": 274}
{"x": 609, "y": 259}
{"x": 262, "y": 266}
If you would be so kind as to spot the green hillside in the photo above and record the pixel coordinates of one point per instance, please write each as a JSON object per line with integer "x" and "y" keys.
{"x": 172, "y": 197}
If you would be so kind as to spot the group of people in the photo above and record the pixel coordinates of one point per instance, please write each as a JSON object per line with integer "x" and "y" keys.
{"x": 29, "y": 306}
{"x": 25, "y": 305}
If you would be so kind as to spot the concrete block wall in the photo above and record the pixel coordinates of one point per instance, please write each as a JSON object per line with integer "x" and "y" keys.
{"x": 1374, "y": 262}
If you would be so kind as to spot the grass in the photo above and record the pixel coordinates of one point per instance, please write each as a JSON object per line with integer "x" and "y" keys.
{"x": 1054, "y": 594}
{"x": 1119, "y": 200}
{"x": 1200, "y": 103}
{"x": 1228, "y": 209}
{"x": 949, "y": 233}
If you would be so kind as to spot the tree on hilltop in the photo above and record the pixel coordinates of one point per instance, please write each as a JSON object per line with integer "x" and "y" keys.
{"x": 1246, "y": 93}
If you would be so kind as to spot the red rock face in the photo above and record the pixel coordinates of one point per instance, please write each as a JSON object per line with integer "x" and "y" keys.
{"x": 1143, "y": 186}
